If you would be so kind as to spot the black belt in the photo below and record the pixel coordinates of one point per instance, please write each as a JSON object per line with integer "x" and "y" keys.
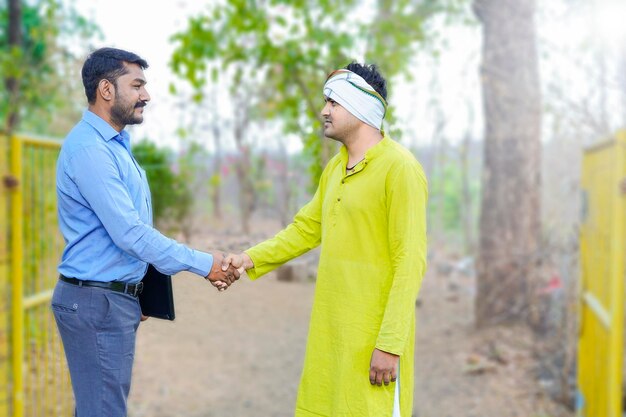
{"x": 131, "y": 289}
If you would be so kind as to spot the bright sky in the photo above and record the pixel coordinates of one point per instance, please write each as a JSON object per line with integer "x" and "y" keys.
{"x": 144, "y": 27}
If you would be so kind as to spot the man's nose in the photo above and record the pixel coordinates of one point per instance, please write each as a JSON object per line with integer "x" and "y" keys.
{"x": 145, "y": 96}
{"x": 325, "y": 111}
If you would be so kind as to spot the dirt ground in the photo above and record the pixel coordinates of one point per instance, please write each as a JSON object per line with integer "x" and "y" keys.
{"x": 239, "y": 353}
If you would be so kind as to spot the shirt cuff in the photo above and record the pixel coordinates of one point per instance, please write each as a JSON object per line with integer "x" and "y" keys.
{"x": 203, "y": 262}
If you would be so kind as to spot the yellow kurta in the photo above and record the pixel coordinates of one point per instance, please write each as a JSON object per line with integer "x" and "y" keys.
{"x": 371, "y": 224}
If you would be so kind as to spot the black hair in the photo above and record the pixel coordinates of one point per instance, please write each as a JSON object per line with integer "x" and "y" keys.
{"x": 370, "y": 74}
{"x": 107, "y": 64}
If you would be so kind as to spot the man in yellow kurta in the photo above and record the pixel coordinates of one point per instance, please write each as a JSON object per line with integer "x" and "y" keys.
{"x": 368, "y": 214}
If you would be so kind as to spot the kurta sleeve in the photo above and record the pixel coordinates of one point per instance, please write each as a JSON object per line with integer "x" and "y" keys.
{"x": 407, "y": 193}
{"x": 302, "y": 235}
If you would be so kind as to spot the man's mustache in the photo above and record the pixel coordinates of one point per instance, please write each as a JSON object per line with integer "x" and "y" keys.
{"x": 141, "y": 104}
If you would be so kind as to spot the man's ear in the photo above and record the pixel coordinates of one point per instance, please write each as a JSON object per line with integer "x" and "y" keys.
{"x": 106, "y": 89}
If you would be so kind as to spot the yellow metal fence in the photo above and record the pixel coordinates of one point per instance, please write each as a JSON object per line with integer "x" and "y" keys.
{"x": 37, "y": 381}
{"x": 602, "y": 253}
{"x": 4, "y": 281}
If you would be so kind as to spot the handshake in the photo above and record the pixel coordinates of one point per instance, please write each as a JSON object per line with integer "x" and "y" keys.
{"x": 227, "y": 268}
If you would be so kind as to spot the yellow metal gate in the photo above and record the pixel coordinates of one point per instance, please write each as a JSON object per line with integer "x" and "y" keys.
{"x": 600, "y": 346}
{"x": 38, "y": 382}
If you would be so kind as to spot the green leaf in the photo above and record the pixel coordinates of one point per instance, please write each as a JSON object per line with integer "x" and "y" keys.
{"x": 247, "y": 42}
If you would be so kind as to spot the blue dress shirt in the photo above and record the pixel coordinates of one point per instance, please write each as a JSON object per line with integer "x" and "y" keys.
{"x": 105, "y": 211}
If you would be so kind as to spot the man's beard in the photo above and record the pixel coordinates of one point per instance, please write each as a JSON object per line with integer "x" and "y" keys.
{"x": 123, "y": 114}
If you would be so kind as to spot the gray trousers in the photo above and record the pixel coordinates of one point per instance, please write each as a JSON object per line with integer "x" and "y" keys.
{"x": 98, "y": 329}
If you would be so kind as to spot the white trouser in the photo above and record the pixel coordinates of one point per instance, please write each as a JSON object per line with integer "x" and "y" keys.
{"x": 396, "y": 399}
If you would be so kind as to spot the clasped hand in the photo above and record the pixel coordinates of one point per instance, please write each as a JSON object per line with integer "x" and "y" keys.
{"x": 227, "y": 269}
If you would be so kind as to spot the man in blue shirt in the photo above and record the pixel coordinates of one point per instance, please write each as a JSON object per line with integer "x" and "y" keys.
{"x": 105, "y": 216}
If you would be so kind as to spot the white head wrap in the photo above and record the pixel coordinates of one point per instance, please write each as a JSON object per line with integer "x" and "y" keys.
{"x": 357, "y": 96}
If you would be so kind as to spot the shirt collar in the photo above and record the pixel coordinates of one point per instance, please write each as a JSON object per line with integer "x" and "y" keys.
{"x": 372, "y": 152}
{"x": 103, "y": 128}
{"x": 377, "y": 149}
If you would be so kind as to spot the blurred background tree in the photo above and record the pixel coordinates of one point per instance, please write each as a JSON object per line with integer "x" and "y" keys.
{"x": 171, "y": 188}
{"x": 157, "y": 161}
{"x": 510, "y": 225}
{"x": 290, "y": 47}
{"x": 38, "y": 52}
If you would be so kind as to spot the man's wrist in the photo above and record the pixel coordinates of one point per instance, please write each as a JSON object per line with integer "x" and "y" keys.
{"x": 247, "y": 261}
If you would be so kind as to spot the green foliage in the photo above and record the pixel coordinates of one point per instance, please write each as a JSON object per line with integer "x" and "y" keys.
{"x": 215, "y": 181}
{"x": 162, "y": 180}
{"x": 286, "y": 49}
{"x": 171, "y": 193}
{"x": 42, "y": 64}
{"x": 450, "y": 199}
{"x": 446, "y": 201}
{"x": 262, "y": 186}
{"x": 186, "y": 181}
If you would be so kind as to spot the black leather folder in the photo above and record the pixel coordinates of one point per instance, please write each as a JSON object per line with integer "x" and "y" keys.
{"x": 157, "y": 298}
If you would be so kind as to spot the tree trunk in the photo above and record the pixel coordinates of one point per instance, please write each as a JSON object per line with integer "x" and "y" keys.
{"x": 466, "y": 195}
{"x": 7, "y": 182}
{"x": 284, "y": 209}
{"x": 216, "y": 180}
{"x": 439, "y": 185}
{"x": 510, "y": 209}
{"x": 435, "y": 165}
{"x": 12, "y": 82}
{"x": 243, "y": 165}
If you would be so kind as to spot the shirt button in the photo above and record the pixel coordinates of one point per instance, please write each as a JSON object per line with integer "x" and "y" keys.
{"x": 338, "y": 199}
{"x": 343, "y": 181}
